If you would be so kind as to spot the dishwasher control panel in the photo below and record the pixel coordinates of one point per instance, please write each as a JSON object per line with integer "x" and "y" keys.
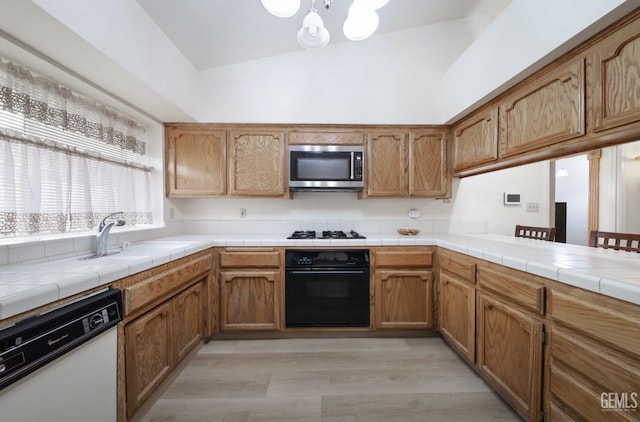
{"x": 34, "y": 342}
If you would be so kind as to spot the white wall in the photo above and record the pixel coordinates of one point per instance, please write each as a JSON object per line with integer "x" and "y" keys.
{"x": 477, "y": 206}
{"x": 112, "y": 43}
{"x": 526, "y": 35}
{"x": 407, "y": 77}
{"x": 393, "y": 78}
{"x": 620, "y": 188}
{"x": 481, "y": 197}
{"x": 574, "y": 190}
{"x": 630, "y": 188}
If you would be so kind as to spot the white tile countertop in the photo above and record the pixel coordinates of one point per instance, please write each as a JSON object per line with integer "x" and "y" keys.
{"x": 25, "y": 286}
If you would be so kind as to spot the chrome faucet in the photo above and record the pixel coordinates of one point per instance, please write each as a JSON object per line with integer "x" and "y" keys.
{"x": 104, "y": 228}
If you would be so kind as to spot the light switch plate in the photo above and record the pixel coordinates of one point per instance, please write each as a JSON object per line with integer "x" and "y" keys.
{"x": 533, "y": 207}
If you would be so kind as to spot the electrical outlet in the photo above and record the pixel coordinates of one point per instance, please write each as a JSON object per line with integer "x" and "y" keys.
{"x": 533, "y": 207}
{"x": 243, "y": 213}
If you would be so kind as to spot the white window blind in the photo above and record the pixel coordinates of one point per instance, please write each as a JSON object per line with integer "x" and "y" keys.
{"x": 66, "y": 161}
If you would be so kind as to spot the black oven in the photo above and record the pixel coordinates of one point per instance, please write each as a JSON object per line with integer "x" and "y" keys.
{"x": 327, "y": 288}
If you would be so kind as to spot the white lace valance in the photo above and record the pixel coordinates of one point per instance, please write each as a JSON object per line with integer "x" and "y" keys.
{"x": 48, "y": 102}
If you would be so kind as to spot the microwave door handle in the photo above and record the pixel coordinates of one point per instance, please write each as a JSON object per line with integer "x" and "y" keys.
{"x": 352, "y": 164}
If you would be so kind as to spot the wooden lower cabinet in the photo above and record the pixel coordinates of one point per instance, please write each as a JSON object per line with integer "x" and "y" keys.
{"x": 187, "y": 320}
{"x": 249, "y": 300}
{"x": 591, "y": 382}
{"x": 158, "y": 340}
{"x": 457, "y": 307}
{"x": 404, "y": 298}
{"x": 149, "y": 356}
{"x": 509, "y": 353}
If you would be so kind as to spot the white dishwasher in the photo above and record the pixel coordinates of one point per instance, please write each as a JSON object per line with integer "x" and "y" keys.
{"x": 62, "y": 366}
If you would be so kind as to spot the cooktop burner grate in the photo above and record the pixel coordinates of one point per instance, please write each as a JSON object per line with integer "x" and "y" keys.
{"x": 325, "y": 234}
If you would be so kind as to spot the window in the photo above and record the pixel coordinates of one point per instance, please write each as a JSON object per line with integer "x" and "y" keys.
{"x": 65, "y": 161}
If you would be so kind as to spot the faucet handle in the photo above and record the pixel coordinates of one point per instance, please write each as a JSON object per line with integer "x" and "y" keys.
{"x": 103, "y": 222}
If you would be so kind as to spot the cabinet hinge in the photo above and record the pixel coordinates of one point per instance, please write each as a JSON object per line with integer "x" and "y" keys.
{"x": 545, "y": 337}
{"x": 543, "y": 416}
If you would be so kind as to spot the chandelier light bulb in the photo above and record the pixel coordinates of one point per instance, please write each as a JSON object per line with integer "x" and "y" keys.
{"x": 361, "y": 22}
{"x": 313, "y": 34}
{"x": 282, "y": 8}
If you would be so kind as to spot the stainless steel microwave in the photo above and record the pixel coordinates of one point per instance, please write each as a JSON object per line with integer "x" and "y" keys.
{"x": 326, "y": 167}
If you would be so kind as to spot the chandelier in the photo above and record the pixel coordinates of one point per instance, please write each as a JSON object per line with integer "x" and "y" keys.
{"x": 361, "y": 23}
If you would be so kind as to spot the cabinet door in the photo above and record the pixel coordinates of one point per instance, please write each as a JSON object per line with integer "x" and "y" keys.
{"x": 475, "y": 141}
{"x": 257, "y": 165}
{"x": 196, "y": 162}
{"x": 548, "y": 111}
{"x": 386, "y": 164}
{"x": 457, "y": 314}
{"x": 428, "y": 176}
{"x": 249, "y": 300}
{"x": 148, "y": 354}
{"x": 403, "y": 299}
{"x": 615, "y": 78}
{"x": 509, "y": 353}
{"x": 187, "y": 320}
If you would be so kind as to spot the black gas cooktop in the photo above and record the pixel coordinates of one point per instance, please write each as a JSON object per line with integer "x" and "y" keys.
{"x": 326, "y": 234}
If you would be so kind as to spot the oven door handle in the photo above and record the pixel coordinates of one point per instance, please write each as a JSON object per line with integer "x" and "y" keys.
{"x": 307, "y": 272}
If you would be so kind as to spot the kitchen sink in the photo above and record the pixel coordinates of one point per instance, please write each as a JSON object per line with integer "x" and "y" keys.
{"x": 142, "y": 249}
{"x": 95, "y": 256}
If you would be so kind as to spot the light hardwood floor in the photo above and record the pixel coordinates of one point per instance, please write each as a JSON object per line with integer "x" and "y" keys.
{"x": 328, "y": 380}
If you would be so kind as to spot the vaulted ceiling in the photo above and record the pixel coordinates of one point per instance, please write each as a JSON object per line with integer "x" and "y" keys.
{"x": 212, "y": 33}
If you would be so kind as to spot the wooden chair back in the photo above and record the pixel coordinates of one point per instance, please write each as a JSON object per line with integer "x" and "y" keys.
{"x": 619, "y": 241}
{"x": 542, "y": 233}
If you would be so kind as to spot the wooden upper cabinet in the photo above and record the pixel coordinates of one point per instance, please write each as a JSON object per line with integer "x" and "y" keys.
{"x": 407, "y": 163}
{"x": 386, "y": 164}
{"x": 195, "y": 161}
{"x": 475, "y": 141}
{"x": 326, "y": 137}
{"x": 428, "y": 176}
{"x": 616, "y": 75}
{"x": 257, "y": 164}
{"x": 548, "y": 110}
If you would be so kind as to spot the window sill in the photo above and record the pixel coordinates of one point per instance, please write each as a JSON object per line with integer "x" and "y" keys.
{"x": 37, "y": 239}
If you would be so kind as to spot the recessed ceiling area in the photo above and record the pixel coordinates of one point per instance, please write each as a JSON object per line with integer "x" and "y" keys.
{"x": 213, "y": 33}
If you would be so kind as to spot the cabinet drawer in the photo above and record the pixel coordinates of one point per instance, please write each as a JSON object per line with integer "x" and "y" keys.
{"x": 250, "y": 258}
{"x": 165, "y": 283}
{"x": 613, "y": 372}
{"x": 567, "y": 392}
{"x": 525, "y": 293}
{"x": 404, "y": 258}
{"x": 458, "y": 266}
{"x": 569, "y": 396}
{"x": 604, "y": 323}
